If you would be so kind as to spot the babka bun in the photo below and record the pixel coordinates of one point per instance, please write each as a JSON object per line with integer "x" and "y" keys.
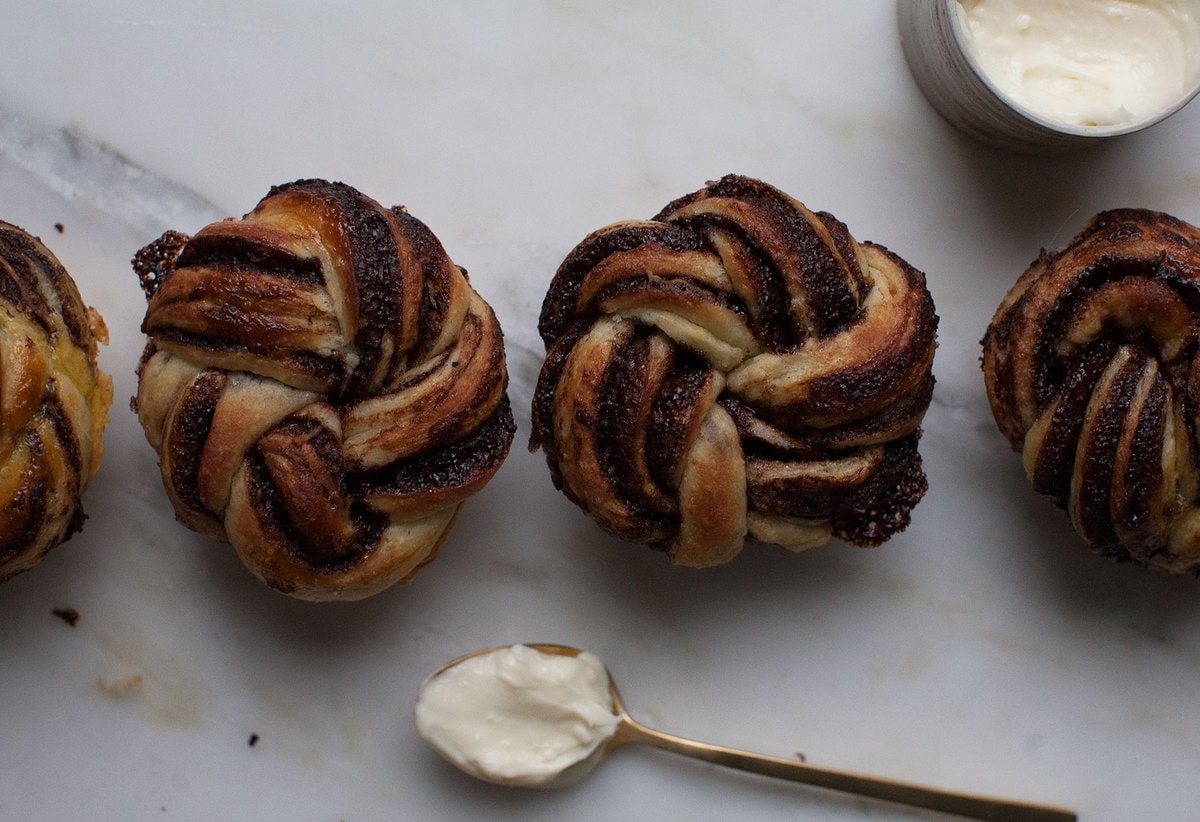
{"x": 54, "y": 401}
{"x": 737, "y": 367}
{"x": 1092, "y": 371}
{"x": 323, "y": 386}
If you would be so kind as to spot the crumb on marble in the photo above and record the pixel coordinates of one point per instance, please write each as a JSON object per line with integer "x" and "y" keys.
{"x": 253, "y": 740}
{"x": 59, "y": 227}
{"x": 121, "y": 687}
{"x": 67, "y": 615}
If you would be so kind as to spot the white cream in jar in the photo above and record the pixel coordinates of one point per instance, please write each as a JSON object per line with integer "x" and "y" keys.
{"x": 518, "y": 715}
{"x": 1086, "y": 62}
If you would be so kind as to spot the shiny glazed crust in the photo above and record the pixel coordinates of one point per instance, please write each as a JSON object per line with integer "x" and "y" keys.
{"x": 54, "y": 401}
{"x": 738, "y": 366}
{"x": 323, "y": 387}
{"x": 1092, "y": 370}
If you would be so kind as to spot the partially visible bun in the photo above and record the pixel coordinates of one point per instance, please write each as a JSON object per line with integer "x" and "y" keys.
{"x": 1092, "y": 368}
{"x": 54, "y": 401}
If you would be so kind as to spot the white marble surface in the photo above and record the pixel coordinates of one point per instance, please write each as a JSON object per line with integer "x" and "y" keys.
{"x": 984, "y": 649}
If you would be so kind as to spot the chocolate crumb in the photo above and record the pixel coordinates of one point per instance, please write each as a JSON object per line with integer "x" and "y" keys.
{"x": 155, "y": 262}
{"x": 67, "y": 615}
{"x": 253, "y": 740}
{"x": 58, "y": 227}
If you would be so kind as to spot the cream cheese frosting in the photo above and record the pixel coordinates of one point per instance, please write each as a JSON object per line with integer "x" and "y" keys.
{"x": 1086, "y": 62}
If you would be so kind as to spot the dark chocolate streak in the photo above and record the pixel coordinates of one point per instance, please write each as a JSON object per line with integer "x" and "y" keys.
{"x": 18, "y": 282}
{"x": 375, "y": 263}
{"x": 623, "y": 393}
{"x": 1100, "y": 453}
{"x": 801, "y": 447}
{"x": 270, "y": 508}
{"x": 772, "y": 321}
{"x": 1055, "y": 462}
{"x": 688, "y": 292}
{"x": 493, "y": 382}
{"x": 832, "y": 302}
{"x": 328, "y": 370}
{"x": 1143, "y": 475}
{"x": 316, "y": 437}
{"x": 30, "y": 500}
{"x": 1050, "y": 368}
{"x": 844, "y": 243}
{"x": 453, "y": 465}
{"x": 866, "y": 512}
{"x": 238, "y": 253}
{"x": 68, "y": 441}
{"x": 435, "y": 276}
{"x": 674, "y": 416}
{"x": 882, "y": 506}
{"x": 187, "y": 434}
{"x": 542, "y": 422}
{"x": 559, "y": 306}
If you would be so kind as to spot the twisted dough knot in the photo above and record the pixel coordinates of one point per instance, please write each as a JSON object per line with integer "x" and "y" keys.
{"x": 1092, "y": 370}
{"x": 736, "y": 366}
{"x": 323, "y": 387}
{"x": 53, "y": 401}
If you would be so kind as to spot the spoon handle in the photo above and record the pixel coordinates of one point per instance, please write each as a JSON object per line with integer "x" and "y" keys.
{"x": 971, "y": 806}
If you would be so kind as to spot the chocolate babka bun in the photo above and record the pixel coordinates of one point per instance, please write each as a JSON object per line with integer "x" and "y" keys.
{"x": 54, "y": 401}
{"x": 1092, "y": 369}
{"x": 738, "y": 366}
{"x": 323, "y": 386}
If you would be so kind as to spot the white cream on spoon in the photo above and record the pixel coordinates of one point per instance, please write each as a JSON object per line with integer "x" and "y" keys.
{"x": 545, "y": 715}
{"x": 519, "y": 716}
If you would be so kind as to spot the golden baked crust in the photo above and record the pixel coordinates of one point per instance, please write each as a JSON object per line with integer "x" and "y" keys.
{"x": 1092, "y": 371}
{"x": 323, "y": 387}
{"x": 54, "y": 401}
{"x": 736, "y": 366}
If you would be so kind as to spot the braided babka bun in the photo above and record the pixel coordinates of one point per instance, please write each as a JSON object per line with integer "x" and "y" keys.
{"x": 736, "y": 367}
{"x": 323, "y": 387}
{"x": 1093, "y": 373}
{"x": 53, "y": 401}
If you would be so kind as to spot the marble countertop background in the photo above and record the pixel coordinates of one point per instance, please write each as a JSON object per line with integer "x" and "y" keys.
{"x": 983, "y": 649}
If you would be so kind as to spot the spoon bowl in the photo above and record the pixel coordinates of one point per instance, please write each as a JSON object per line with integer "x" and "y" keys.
{"x": 629, "y": 731}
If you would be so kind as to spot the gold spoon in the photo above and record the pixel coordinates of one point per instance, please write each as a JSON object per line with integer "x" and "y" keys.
{"x": 629, "y": 732}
